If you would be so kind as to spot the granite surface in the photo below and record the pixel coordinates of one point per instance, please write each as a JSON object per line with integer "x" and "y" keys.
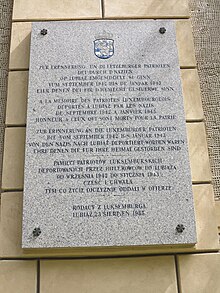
{"x": 106, "y": 151}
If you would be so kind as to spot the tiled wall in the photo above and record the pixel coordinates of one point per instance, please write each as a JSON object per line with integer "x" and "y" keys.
{"x": 186, "y": 270}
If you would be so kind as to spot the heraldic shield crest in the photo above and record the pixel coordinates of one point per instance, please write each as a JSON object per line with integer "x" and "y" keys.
{"x": 104, "y": 46}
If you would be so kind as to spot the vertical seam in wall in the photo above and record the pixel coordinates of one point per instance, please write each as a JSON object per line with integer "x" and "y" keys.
{"x": 38, "y": 277}
{"x": 4, "y": 23}
{"x": 103, "y": 8}
{"x": 177, "y": 274}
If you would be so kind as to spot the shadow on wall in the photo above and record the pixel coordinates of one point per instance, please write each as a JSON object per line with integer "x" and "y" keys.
{"x": 20, "y": 46}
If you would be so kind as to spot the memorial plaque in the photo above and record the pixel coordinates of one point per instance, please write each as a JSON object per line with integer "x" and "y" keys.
{"x": 106, "y": 159}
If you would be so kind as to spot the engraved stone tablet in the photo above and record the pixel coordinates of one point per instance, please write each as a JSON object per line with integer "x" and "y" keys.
{"x": 106, "y": 150}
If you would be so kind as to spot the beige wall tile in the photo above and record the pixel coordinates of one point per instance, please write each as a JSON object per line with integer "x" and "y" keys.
{"x": 192, "y": 96}
{"x": 217, "y": 212}
{"x": 55, "y": 9}
{"x": 10, "y": 224}
{"x": 20, "y": 45}
{"x": 18, "y": 276}
{"x": 13, "y": 159}
{"x": 199, "y": 273}
{"x": 146, "y": 8}
{"x": 198, "y": 152}
{"x": 149, "y": 274}
{"x": 17, "y": 98}
{"x": 206, "y": 226}
{"x": 185, "y": 43}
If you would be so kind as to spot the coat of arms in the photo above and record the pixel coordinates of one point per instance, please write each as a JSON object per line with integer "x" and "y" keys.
{"x": 104, "y": 46}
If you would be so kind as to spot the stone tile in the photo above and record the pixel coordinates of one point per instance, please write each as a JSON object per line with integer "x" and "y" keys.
{"x": 18, "y": 276}
{"x": 206, "y": 226}
{"x": 146, "y": 9}
{"x": 17, "y": 98}
{"x": 10, "y": 224}
{"x": 192, "y": 95}
{"x": 217, "y": 214}
{"x": 18, "y": 84}
{"x": 185, "y": 43}
{"x": 198, "y": 152}
{"x": 157, "y": 274}
{"x": 56, "y": 10}
{"x": 199, "y": 273}
{"x": 20, "y": 45}
{"x": 13, "y": 159}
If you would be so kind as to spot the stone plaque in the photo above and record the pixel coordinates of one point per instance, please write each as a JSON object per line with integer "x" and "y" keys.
{"x": 106, "y": 159}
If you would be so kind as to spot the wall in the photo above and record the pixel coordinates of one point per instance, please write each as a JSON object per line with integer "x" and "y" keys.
{"x": 144, "y": 270}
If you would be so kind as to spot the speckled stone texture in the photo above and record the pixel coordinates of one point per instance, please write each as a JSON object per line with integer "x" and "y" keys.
{"x": 106, "y": 150}
{"x": 5, "y": 31}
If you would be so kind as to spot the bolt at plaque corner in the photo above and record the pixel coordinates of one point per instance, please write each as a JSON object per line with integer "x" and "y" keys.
{"x": 36, "y": 232}
{"x": 162, "y": 30}
{"x": 43, "y": 32}
{"x": 180, "y": 228}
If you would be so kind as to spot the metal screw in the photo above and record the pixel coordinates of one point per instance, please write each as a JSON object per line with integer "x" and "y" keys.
{"x": 180, "y": 228}
{"x": 43, "y": 32}
{"x": 162, "y": 30}
{"x": 36, "y": 232}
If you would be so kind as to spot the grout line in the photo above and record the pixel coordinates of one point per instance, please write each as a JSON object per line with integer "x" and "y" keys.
{"x": 55, "y": 19}
{"x": 15, "y": 125}
{"x": 122, "y": 256}
{"x": 21, "y": 189}
{"x": 200, "y": 120}
{"x": 27, "y": 69}
{"x": 38, "y": 277}
{"x": 188, "y": 67}
{"x": 103, "y": 8}
{"x": 18, "y": 258}
{"x": 177, "y": 274}
{"x": 193, "y": 183}
{"x": 195, "y": 120}
{"x": 150, "y": 17}
{"x": 18, "y": 69}
{"x": 202, "y": 182}
{"x": 12, "y": 190}
{"x": 107, "y": 18}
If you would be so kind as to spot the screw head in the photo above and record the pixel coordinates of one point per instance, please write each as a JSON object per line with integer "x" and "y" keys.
{"x": 162, "y": 30}
{"x": 36, "y": 232}
{"x": 43, "y": 32}
{"x": 180, "y": 228}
